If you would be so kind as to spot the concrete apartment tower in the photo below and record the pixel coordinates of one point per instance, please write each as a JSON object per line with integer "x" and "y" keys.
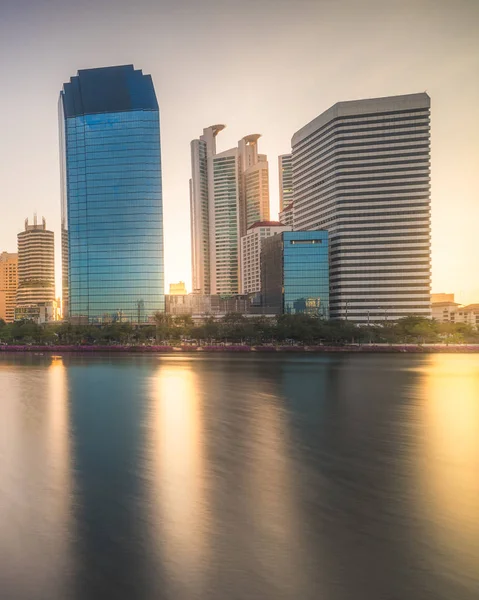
{"x": 36, "y": 267}
{"x": 8, "y": 285}
{"x": 254, "y": 189}
{"x": 228, "y": 192}
{"x": 285, "y": 172}
{"x": 202, "y": 152}
{"x": 361, "y": 170}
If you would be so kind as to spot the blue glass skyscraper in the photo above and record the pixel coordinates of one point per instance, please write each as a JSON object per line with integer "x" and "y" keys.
{"x": 112, "y": 214}
{"x": 295, "y": 273}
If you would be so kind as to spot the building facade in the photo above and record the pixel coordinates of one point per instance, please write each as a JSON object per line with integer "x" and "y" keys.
{"x": 224, "y": 224}
{"x": 40, "y": 313}
{"x": 202, "y": 152}
{"x": 207, "y": 304}
{"x": 229, "y": 191}
{"x": 251, "y": 253}
{"x": 36, "y": 268}
{"x": 8, "y": 286}
{"x": 295, "y": 273}
{"x": 286, "y": 215}
{"x": 452, "y": 312}
{"x": 112, "y": 211}
{"x": 361, "y": 170}
{"x": 285, "y": 171}
{"x": 254, "y": 183}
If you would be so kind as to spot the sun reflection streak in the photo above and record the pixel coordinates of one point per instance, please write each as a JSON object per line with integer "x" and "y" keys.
{"x": 274, "y": 508}
{"x": 177, "y": 456}
{"x": 59, "y": 437}
{"x": 451, "y": 391}
{"x": 35, "y": 482}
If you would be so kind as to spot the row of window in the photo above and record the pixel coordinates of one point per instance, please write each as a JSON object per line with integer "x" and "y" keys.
{"x": 348, "y": 159}
{"x": 387, "y": 118}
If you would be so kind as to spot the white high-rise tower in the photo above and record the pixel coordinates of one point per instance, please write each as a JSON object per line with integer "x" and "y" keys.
{"x": 229, "y": 191}
{"x": 361, "y": 170}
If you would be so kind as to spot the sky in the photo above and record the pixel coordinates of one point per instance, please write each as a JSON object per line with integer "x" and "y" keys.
{"x": 263, "y": 66}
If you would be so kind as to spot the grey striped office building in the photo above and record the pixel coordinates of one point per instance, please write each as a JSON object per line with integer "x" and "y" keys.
{"x": 361, "y": 170}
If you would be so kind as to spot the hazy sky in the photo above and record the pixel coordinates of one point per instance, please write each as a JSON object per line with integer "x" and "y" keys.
{"x": 264, "y": 66}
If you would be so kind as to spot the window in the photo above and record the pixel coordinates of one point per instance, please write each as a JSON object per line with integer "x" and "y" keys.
{"x": 306, "y": 241}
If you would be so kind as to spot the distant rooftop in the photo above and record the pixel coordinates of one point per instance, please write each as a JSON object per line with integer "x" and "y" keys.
{"x": 108, "y": 89}
{"x": 439, "y": 304}
{"x": 265, "y": 224}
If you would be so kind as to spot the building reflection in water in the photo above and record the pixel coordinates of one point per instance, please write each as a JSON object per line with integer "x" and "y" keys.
{"x": 178, "y": 478}
{"x": 273, "y": 501}
{"x": 35, "y": 482}
{"x": 222, "y": 481}
{"x": 450, "y": 465}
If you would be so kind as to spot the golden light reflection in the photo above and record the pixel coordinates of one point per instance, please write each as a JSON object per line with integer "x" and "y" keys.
{"x": 59, "y": 437}
{"x": 274, "y": 508}
{"x": 178, "y": 478}
{"x": 451, "y": 407}
{"x": 35, "y": 478}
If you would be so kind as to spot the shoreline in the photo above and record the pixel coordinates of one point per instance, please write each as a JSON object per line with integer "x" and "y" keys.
{"x": 211, "y": 349}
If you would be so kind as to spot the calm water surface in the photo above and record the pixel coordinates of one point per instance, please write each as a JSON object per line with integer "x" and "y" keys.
{"x": 239, "y": 477}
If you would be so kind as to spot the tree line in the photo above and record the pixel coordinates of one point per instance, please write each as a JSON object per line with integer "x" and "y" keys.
{"x": 238, "y": 329}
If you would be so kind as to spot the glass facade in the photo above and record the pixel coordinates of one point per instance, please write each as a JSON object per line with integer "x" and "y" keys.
{"x": 114, "y": 218}
{"x": 295, "y": 273}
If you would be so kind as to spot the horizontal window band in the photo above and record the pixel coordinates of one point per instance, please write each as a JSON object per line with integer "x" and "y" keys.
{"x": 346, "y": 160}
{"x": 363, "y": 152}
{"x": 363, "y": 118}
{"x": 359, "y": 142}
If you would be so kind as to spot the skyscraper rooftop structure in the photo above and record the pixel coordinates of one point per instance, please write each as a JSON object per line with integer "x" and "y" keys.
{"x": 112, "y": 213}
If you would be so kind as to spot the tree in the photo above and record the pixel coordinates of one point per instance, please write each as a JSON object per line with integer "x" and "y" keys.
{"x": 164, "y": 324}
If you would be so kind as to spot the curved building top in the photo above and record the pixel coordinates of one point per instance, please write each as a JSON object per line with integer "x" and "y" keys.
{"x": 362, "y": 107}
{"x": 107, "y": 90}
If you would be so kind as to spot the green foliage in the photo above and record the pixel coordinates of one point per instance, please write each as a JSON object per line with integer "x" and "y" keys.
{"x": 238, "y": 329}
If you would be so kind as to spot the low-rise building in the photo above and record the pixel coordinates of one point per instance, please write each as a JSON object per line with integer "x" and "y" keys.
{"x": 205, "y": 304}
{"x": 452, "y": 312}
{"x": 40, "y": 312}
{"x": 295, "y": 273}
{"x": 214, "y": 305}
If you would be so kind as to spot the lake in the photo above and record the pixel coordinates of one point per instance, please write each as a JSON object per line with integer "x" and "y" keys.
{"x": 218, "y": 477}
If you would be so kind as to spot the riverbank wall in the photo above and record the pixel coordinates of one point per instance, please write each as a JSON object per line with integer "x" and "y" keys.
{"x": 359, "y": 348}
